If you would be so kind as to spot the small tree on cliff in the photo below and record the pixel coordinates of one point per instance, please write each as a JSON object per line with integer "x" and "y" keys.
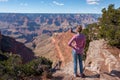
{"x": 110, "y": 25}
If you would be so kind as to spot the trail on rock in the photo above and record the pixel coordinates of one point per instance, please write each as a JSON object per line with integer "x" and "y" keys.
{"x": 60, "y": 56}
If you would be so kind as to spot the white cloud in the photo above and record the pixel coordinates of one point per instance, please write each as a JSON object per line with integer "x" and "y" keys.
{"x": 57, "y": 3}
{"x": 23, "y": 4}
{"x": 3, "y": 0}
{"x": 92, "y": 1}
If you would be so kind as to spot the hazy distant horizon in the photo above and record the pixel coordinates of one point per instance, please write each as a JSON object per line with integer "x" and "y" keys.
{"x": 45, "y": 13}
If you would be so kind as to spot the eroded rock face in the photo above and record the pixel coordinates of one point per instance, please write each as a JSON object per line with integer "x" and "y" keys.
{"x": 55, "y": 48}
{"x": 102, "y": 59}
{"x": 8, "y": 44}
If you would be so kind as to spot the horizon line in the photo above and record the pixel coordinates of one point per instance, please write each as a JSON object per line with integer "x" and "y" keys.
{"x": 43, "y": 13}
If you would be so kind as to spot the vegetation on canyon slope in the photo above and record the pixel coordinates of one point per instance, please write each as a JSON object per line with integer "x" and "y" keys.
{"x": 107, "y": 28}
{"x": 11, "y": 67}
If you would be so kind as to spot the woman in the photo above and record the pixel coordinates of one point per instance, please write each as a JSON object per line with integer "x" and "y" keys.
{"x": 77, "y": 43}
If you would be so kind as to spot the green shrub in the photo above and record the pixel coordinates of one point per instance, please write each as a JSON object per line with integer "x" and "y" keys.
{"x": 36, "y": 67}
{"x": 110, "y": 25}
{"x": 13, "y": 69}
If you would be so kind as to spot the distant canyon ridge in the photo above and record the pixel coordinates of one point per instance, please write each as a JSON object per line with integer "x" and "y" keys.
{"x": 25, "y": 27}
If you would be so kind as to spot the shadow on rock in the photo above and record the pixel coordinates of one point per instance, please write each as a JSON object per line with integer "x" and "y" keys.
{"x": 92, "y": 76}
{"x": 57, "y": 67}
{"x": 114, "y": 73}
{"x": 58, "y": 78}
{"x": 9, "y": 44}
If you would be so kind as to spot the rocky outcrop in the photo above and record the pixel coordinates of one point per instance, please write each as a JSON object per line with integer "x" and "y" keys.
{"x": 103, "y": 60}
{"x": 62, "y": 48}
{"x": 55, "y": 48}
{"x": 102, "y": 63}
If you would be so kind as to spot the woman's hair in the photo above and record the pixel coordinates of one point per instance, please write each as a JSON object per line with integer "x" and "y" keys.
{"x": 79, "y": 28}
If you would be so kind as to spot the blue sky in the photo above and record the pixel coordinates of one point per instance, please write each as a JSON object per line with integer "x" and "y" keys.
{"x": 55, "y": 6}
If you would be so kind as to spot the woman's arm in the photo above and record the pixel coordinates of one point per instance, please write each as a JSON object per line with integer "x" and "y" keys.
{"x": 71, "y": 41}
{"x": 71, "y": 30}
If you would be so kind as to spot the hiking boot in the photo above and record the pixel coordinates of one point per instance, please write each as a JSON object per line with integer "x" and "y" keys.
{"x": 82, "y": 75}
{"x": 76, "y": 75}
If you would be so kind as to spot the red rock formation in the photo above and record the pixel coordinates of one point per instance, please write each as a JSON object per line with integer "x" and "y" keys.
{"x": 102, "y": 59}
{"x": 102, "y": 63}
{"x": 62, "y": 48}
{"x": 56, "y": 47}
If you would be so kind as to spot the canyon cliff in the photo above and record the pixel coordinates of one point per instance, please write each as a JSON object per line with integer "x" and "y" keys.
{"x": 102, "y": 63}
{"x": 104, "y": 60}
{"x": 10, "y": 45}
{"x": 55, "y": 48}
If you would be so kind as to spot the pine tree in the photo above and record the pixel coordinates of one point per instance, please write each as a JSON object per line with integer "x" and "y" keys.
{"x": 110, "y": 25}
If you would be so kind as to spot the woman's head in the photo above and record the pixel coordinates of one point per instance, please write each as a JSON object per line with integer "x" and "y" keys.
{"x": 79, "y": 28}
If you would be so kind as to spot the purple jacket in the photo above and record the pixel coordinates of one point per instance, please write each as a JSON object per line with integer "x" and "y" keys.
{"x": 77, "y": 42}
